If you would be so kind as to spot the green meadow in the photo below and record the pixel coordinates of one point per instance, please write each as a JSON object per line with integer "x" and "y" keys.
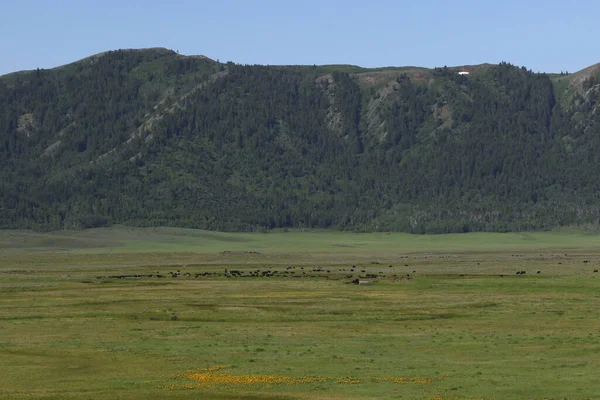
{"x": 159, "y": 313}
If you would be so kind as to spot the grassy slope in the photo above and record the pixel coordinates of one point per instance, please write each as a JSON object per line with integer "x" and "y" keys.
{"x": 66, "y": 334}
{"x": 568, "y": 85}
{"x": 127, "y": 240}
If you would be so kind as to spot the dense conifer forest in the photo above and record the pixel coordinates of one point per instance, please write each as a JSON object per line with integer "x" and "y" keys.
{"x": 153, "y": 138}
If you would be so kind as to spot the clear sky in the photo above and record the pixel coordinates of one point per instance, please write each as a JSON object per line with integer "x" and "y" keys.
{"x": 548, "y": 36}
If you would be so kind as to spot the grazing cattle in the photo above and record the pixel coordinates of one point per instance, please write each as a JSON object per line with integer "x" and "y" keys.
{"x": 539, "y": 272}
{"x": 595, "y": 270}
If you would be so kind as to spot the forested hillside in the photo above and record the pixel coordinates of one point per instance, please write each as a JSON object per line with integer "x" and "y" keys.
{"x": 150, "y": 137}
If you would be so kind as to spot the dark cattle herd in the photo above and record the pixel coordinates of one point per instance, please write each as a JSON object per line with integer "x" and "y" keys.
{"x": 351, "y": 274}
{"x": 283, "y": 272}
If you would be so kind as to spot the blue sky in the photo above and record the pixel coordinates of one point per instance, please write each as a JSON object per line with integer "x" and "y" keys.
{"x": 548, "y": 36}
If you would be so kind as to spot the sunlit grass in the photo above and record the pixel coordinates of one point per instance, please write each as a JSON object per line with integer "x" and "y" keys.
{"x": 134, "y": 240}
{"x": 464, "y": 326}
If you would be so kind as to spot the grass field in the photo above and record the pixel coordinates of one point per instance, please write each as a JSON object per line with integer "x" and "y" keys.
{"x": 446, "y": 318}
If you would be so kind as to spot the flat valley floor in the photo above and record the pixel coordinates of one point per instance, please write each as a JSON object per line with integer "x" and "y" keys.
{"x": 174, "y": 313}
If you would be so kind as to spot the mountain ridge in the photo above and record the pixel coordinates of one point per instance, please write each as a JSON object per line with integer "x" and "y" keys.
{"x": 151, "y": 137}
{"x": 167, "y": 51}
